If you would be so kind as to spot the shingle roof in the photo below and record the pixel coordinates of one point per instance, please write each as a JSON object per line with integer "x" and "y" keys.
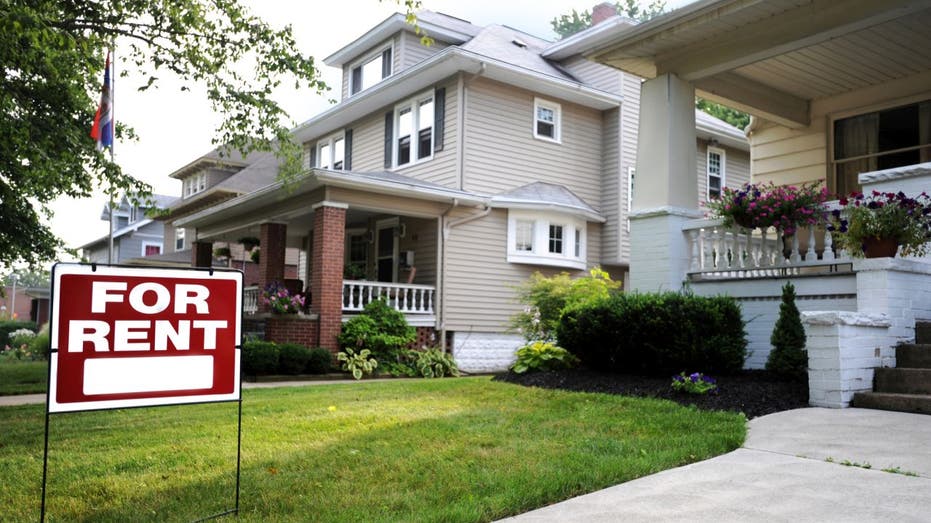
{"x": 545, "y": 195}
{"x": 498, "y": 42}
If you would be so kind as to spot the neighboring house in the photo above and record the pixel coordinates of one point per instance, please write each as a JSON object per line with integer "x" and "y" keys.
{"x": 449, "y": 174}
{"x": 840, "y": 93}
{"x": 135, "y": 234}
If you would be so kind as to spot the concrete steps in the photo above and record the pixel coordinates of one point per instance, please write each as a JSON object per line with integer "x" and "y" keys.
{"x": 907, "y": 387}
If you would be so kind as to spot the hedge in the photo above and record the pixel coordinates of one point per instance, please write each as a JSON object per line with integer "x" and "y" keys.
{"x": 261, "y": 358}
{"x": 656, "y": 334}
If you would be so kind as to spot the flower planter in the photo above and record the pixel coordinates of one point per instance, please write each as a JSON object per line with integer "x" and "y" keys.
{"x": 880, "y": 247}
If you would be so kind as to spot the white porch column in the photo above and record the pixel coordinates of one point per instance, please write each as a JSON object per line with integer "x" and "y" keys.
{"x": 666, "y": 185}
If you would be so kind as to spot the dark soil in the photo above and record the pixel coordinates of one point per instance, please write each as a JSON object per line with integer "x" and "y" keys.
{"x": 753, "y": 392}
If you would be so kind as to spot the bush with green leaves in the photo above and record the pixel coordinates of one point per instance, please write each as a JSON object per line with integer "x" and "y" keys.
{"x": 260, "y": 358}
{"x": 434, "y": 363}
{"x": 542, "y": 355}
{"x": 292, "y": 358}
{"x": 545, "y": 298}
{"x": 359, "y": 364}
{"x": 656, "y": 334}
{"x": 21, "y": 337}
{"x": 788, "y": 359}
{"x": 320, "y": 361}
{"x": 8, "y": 326}
{"x": 381, "y": 330}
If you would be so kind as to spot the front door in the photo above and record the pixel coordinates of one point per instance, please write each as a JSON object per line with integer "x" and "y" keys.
{"x": 386, "y": 247}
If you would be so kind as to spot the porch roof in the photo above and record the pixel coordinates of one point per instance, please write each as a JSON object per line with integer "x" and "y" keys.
{"x": 378, "y": 183}
{"x": 772, "y": 58}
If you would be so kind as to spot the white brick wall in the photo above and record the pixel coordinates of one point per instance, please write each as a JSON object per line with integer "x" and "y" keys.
{"x": 659, "y": 252}
{"x": 899, "y": 288}
{"x": 485, "y": 351}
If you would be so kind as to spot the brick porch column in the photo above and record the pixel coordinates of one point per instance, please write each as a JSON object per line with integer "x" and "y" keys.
{"x": 202, "y": 254}
{"x": 326, "y": 277}
{"x": 271, "y": 258}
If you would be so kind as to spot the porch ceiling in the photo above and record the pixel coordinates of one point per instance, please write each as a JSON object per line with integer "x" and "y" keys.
{"x": 772, "y": 58}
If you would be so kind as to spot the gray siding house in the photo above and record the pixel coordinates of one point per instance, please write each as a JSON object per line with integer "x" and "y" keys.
{"x": 135, "y": 234}
{"x": 449, "y": 174}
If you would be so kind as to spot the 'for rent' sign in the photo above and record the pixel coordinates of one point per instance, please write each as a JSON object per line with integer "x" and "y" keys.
{"x": 132, "y": 337}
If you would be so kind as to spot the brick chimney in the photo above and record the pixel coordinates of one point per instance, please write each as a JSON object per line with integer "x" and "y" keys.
{"x": 602, "y": 12}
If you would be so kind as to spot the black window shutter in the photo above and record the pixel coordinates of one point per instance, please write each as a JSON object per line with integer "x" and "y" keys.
{"x": 347, "y": 162}
{"x": 439, "y": 118}
{"x": 389, "y": 137}
{"x": 313, "y": 155}
{"x": 386, "y": 63}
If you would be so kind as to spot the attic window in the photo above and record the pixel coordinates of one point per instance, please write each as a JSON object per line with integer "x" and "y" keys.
{"x": 371, "y": 70}
{"x": 519, "y": 43}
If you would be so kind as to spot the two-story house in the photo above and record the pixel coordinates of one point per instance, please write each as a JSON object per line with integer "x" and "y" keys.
{"x": 135, "y": 232}
{"x": 447, "y": 175}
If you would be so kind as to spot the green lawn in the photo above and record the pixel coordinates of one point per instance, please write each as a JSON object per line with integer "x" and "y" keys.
{"x": 23, "y": 377}
{"x": 464, "y": 449}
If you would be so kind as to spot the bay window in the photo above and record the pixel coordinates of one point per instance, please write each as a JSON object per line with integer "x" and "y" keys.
{"x": 546, "y": 238}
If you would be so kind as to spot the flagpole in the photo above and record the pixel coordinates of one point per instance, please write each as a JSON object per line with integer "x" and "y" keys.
{"x": 112, "y": 64}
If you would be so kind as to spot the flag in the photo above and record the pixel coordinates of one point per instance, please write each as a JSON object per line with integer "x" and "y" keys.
{"x": 102, "y": 131}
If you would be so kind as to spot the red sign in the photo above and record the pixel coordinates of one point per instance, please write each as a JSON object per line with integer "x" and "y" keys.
{"x": 132, "y": 337}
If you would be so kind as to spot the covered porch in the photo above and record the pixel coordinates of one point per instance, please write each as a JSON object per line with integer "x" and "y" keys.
{"x": 840, "y": 93}
{"x": 361, "y": 237}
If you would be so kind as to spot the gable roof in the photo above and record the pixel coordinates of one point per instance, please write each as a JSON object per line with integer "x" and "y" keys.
{"x": 546, "y": 196}
{"x": 516, "y": 48}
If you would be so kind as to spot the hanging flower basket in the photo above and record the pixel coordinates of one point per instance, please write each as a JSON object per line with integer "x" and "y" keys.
{"x": 880, "y": 247}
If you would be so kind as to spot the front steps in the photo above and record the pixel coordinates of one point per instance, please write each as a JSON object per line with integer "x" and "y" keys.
{"x": 907, "y": 387}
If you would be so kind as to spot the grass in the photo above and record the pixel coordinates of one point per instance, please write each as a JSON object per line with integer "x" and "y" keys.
{"x": 409, "y": 450}
{"x": 23, "y": 377}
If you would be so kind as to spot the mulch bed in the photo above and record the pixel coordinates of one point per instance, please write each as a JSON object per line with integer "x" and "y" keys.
{"x": 753, "y": 392}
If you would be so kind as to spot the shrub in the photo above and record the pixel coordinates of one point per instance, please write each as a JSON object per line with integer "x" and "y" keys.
{"x": 359, "y": 364}
{"x": 259, "y": 358}
{"x": 381, "y": 330}
{"x": 320, "y": 361}
{"x": 40, "y": 343}
{"x": 8, "y": 326}
{"x": 292, "y": 358}
{"x": 21, "y": 337}
{"x": 434, "y": 363}
{"x": 788, "y": 358}
{"x": 546, "y": 298}
{"x": 695, "y": 383}
{"x": 541, "y": 355}
{"x": 656, "y": 334}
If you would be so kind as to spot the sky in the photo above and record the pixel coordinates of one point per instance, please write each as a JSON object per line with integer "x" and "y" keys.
{"x": 176, "y": 127}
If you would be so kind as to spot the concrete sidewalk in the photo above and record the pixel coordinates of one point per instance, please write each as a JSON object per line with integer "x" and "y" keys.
{"x": 791, "y": 468}
{"x": 32, "y": 399}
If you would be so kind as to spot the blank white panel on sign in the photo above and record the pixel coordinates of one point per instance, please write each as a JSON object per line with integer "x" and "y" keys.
{"x": 130, "y": 375}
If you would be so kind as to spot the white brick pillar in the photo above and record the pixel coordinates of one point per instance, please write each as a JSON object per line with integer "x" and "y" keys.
{"x": 666, "y": 185}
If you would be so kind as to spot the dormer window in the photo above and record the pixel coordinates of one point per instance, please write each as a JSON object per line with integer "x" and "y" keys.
{"x": 371, "y": 70}
{"x": 331, "y": 152}
{"x": 194, "y": 184}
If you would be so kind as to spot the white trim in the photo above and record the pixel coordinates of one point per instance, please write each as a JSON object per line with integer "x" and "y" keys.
{"x": 181, "y": 237}
{"x": 161, "y": 248}
{"x": 364, "y": 60}
{"x": 386, "y": 29}
{"x": 540, "y": 254}
{"x": 722, "y": 165}
{"x": 413, "y": 104}
{"x": 556, "y": 108}
{"x": 328, "y": 203}
{"x": 330, "y": 141}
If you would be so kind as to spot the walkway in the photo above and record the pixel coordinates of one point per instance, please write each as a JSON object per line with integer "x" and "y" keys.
{"x": 799, "y": 465}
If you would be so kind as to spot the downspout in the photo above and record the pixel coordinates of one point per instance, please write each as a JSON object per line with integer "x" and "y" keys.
{"x": 441, "y": 270}
{"x": 447, "y": 226}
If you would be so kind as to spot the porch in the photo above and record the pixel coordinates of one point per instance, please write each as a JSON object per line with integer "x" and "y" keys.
{"x": 361, "y": 237}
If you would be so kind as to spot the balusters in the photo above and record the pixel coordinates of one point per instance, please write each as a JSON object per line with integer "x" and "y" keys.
{"x": 695, "y": 265}
{"x": 811, "y": 255}
{"x": 828, "y": 253}
{"x": 795, "y": 256}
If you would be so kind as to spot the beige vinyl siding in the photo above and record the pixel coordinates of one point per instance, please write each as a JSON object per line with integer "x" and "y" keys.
{"x": 420, "y": 238}
{"x": 368, "y": 145}
{"x": 793, "y": 156}
{"x": 502, "y": 154}
{"x": 480, "y": 283}
{"x": 413, "y": 52}
{"x": 630, "y": 123}
{"x": 594, "y": 74}
{"x": 736, "y": 168}
{"x": 611, "y": 187}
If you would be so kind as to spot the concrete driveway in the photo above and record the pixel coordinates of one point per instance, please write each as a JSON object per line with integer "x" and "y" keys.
{"x": 799, "y": 465}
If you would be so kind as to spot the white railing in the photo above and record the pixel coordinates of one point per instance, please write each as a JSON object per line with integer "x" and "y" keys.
{"x": 738, "y": 252}
{"x": 407, "y": 298}
{"x": 250, "y": 300}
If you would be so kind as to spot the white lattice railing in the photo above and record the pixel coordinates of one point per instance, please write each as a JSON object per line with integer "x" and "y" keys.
{"x": 250, "y": 300}
{"x": 716, "y": 251}
{"x": 407, "y": 298}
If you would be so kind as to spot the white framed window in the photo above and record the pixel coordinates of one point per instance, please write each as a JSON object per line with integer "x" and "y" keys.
{"x": 546, "y": 238}
{"x": 179, "y": 239}
{"x": 331, "y": 152}
{"x": 194, "y": 184}
{"x": 715, "y": 169}
{"x": 413, "y": 130}
{"x": 547, "y": 118}
{"x": 370, "y": 70}
{"x": 151, "y": 248}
